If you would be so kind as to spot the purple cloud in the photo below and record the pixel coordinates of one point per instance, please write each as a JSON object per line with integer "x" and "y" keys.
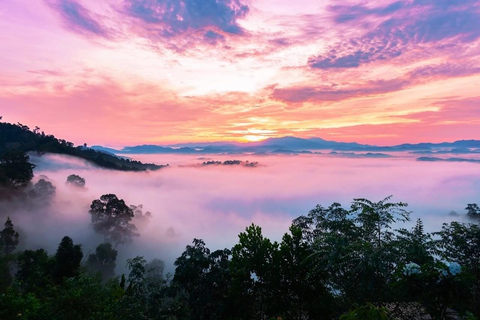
{"x": 212, "y": 37}
{"x": 179, "y": 16}
{"x": 419, "y": 75}
{"x": 78, "y": 19}
{"x": 402, "y": 24}
{"x": 347, "y": 13}
{"x": 302, "y": 94}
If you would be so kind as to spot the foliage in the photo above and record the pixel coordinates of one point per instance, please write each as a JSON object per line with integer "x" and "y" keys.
{"x": 43, "y": 190}
{"x": 103, "y": 261}
{"x": 67, "y": 259}
{"x": 366, "y": 312}
{"x": 473, "y": 210}
{"x": 8, "y": 238}
{"x": 19, "y": 138}
{"x": 460, "y": 243}
{"x": 15, "y": 170}
{"x": 111, "y": 217}
{"x": 333, "y": 263}
{"x": 76, "y": 181}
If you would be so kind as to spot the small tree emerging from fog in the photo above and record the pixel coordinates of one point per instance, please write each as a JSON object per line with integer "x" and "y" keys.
{"x": 74, "y": 180}
{"x": 473, "y": 210}
{"x": 43, "y": 190}
{"x": 111, "y": 217}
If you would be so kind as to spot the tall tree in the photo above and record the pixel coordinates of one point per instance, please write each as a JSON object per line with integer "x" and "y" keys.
{"x": 111, "y": 217}
{"x": 67, "y": 259}
{"x": 376, "y": 218}
{"x": 255, "y": 270}
{"x": 8, "y": 238}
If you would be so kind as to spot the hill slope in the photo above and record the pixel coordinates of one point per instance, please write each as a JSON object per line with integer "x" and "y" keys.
{"x": 20, "y": 137}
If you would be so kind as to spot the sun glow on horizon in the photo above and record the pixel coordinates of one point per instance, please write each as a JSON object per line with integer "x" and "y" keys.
{"x": 254, "y": 138}
{"x": 104, "y": 74}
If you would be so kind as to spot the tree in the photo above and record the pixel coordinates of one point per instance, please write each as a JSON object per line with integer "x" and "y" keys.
{"x": 205, "y": 277}
{"x": 415, "y": 246}
{"x": 103, "y": 261}
{"x": 67, "y": 259}
{"x": 256, "y": 274}
{"x": 134, "y": 302}
{"x": 111, "y": 217}
{"x": 460, "y": 243}
{"x": 376, "y": 251}
{"x": 8, "y": 238}
{"x": 76, "y": 181}
{"x": 473, "y": 210}
{"x": 336, "y": 247}
{"x": 376, "y": 218}
{"x": 15, "y": 170}
{"x": 303, "y": 294}
{"x": 43, "y": 190}
{"x": 34, "y": 270}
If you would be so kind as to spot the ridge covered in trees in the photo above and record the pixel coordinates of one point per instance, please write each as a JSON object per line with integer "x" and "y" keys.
{"x": 19, "y": 138}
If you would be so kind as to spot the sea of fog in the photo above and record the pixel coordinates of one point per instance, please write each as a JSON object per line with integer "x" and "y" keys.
{"x": 216, "y": 202}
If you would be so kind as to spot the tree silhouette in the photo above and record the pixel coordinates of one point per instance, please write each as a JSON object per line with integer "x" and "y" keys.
{"x": 15, "y": 170}
{"x": 473, "y": 210}
{"x": 8, "y": 238}
{"x": 43, "y": 190}
{"x": 103, "y": 260}
{"x": 111, "y": 217}
{"x": 75, "y": 181}
{"x": 67, "y": 259}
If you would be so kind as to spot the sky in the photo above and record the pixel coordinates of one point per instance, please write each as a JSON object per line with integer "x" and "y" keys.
{"x": 126, "y": 72}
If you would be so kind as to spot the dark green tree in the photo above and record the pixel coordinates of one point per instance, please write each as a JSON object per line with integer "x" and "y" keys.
{"x": 103, "y": 261}
{"x": 8, "y": 238}
{"x": 15, "y": 170}
{"x": 34, "y": 270}
{"x": 460, "y": 243}
{"x": 256, "y": 274}
{"x": 8, "y": 243}
{"x": 205, "y": 278}
{"x": 335, "y": 242}
{"x": 377, "y": 218}
{"x": 133, "y": 304}
{"x": 111, "y": 217}
{"x": 303, "y": 294}
{"x": 67, "y": 259}
{"x": 415, "y": 246}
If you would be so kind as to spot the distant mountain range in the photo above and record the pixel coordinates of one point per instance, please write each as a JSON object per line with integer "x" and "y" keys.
{"x": 293, "y": 145}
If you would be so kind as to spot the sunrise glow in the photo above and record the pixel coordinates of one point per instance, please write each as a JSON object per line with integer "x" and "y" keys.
{"x": 129, "y": 72}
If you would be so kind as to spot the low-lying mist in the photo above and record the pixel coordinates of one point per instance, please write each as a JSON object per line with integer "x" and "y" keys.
{"x": 216, "y": 202}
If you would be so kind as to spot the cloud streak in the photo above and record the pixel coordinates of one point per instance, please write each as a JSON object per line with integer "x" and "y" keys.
{"x": 215, "y": 19}
{"x": 79, "y": 19}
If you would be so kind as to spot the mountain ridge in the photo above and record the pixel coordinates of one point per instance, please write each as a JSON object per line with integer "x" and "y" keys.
{"x": 289, "y": 144}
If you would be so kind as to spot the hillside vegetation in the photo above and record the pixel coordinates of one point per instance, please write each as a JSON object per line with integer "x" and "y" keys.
{"x": 19, "y": 137}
